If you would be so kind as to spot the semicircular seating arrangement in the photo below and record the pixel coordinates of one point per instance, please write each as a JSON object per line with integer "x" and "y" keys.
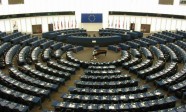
{"x": 168, "y": 53}
{"x": 10, "y": 54}
{"x": 147, "y": 53}
{"x": 150, "y": 74}
{"x": 23, "y": 54}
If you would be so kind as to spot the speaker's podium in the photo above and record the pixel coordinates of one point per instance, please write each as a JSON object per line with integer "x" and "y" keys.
{"x": 96, "y": 47}
{"x": 98, "y": 51}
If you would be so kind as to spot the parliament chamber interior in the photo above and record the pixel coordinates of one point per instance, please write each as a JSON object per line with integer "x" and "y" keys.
{"x": 74, "y": 56}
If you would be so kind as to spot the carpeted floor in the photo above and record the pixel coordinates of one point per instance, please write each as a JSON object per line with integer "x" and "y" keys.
{"x": 86, "y": 55}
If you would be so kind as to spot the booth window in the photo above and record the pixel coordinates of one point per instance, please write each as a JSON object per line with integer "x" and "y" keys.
{"x": 166, "y": 2}
{"x": 183, "y": 2}
{"x": 37, "y": 29}
{"x": 15, "y": 1}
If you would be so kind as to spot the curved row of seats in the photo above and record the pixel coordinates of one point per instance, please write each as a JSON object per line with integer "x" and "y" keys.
{"x": 2, "y": 34}
{"x": 58, "y": 66}
{"x": 28, "y": 41}
{"x": 43, "y": 68}
{"x": 23, "y": 87}
{"x": 158, "y": 39}
{"x": 150, "y": 41}
{"x": 68, "y": 63}
{"x": 179, "y": 76}
{"x": 140, "y": 66}
{"x": 133, "y": 44}
{"x": 111, "y": 67}
{"x": 157, "y": 52}
{"x": 46, "y": 44}
{"x": 157, "y": 66}
{"x": 125, "y": 34}
{"x": 178, "y": 86}
{"x": 102, "y": 72}
{"x": 23, "y": 54}
{"x": 104, "y": 77}
{"x": 16, "y": 96}
{"x": 150, "y": 105}
{"x": 35, "y": 53}
{"x": 8, "y": 106}
{"x": 112, "y": 99}
{"x": 172, "y": 34}
{"x": 182, "y": 44}
{"x": 19, "y": 39}
{"x": 168, "y": 71}
{"x": 36, "y": 43}
{"x": 114, "y": 48}
{"x": 124, "y": 46}
{"x": 141, "y": 42}
{"x": 16, "y": 74}
{"x": 135, "y": 53}
{"x": 168, "y": 53}
{"x": 106, "y": 85}
{"x": 124, "y": 57}
{"x": 8, "y": 38}
{"x": 181, "y": 53}
{"x": 132, "y": 62}
{"x": 46, "y": 55}
{"x": 114, "y": 91}
{"x": 4, "y": 47}
{"x": 66, "y": 47}
{"x": 57, "y": 54}
{"x": 63, "y": 34}
{"x": 43, "y": 76}
{"x": 166, "y": 37}
{"x": 10, "y": 54}
{"x": 146, "y": 52}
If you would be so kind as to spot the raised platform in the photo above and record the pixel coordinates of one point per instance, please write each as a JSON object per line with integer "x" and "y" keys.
{"x": 92, "y": 41}
{"x": 93, "y": 33}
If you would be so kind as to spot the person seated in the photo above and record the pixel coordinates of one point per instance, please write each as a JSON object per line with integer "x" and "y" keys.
{"x": 94, "y": 52}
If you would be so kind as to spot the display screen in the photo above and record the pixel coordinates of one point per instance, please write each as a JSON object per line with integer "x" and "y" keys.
{"x": 93, "y": 41}
{"x": 91, "y": 18}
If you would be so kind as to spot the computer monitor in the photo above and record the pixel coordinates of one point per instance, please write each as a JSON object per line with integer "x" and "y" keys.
{"x": 93, "y": 41}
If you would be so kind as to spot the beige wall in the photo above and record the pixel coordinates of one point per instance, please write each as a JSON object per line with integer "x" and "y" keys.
{"x": 92, "y": 26}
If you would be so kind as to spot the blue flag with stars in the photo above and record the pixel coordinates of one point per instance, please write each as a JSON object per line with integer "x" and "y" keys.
{"x": 91, "y": 18}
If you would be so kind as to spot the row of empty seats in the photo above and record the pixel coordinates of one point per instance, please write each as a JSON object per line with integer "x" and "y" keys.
{"x": 10, "y": 54}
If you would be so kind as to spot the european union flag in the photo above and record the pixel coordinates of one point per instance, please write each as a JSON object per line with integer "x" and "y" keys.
{"x": 91, "y": 18}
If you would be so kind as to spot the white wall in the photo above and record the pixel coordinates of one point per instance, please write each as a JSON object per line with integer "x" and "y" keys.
{"x": 25, "y": 24}
{"x": 112, "y": 21}
{"x": 157, "y": 23}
